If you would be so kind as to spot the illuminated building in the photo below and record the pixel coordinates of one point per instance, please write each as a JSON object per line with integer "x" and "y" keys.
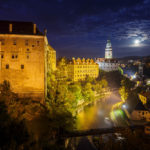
{"x": 140, "y": 113}
{"x": 108, "y": 50}
{"x": 79, "y": 69}
{"x": 51, "y": 53}
{"x": 145, "y": 97}
{"x": 108, "y": 63}
{"x": 23, "y": 58}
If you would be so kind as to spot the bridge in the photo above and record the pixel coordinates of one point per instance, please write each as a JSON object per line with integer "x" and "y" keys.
{"x": 99, "y": 131}
{"x": 80, "y": 139}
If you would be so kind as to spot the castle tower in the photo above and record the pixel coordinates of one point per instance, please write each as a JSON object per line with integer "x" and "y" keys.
{"x": 108, "y": 50}
{"x": 140, "y": 69}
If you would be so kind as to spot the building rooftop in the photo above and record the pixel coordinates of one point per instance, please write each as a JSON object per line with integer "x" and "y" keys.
{"x": 82, "y": 61}
{"x": 140, "y": 106}
{"x": 17, "y": 27}
{"x": 146, "y": 94}
{"x": 112, "y": 60}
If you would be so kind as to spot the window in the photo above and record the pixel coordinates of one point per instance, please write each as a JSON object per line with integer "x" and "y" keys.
{"x": 38, "y": 43}
{"x": 27, "y": 49}
{"x": 14, "y": 42}
{"x": 2, "y": 41}
{"x": 7, "y": 66}
{"x": 27, "y": 56}
{"x": 2, "y": 55}
{"x": 14, "y": 56}
{"x": 32, "y": 45}
{"x": 22, "y": 66}
{"x": 26, "y": 42}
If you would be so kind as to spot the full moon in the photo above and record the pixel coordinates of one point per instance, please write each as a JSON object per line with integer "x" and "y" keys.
{"x": 136, "y": 42}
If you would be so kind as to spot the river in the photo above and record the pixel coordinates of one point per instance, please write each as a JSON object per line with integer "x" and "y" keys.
{"x": 97, "y": 115}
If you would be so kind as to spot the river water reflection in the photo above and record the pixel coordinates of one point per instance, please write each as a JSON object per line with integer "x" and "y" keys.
{"x": 96, "y": 116}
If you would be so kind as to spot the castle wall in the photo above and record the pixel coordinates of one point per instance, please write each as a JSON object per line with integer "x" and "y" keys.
{"x": 22, "y": 63}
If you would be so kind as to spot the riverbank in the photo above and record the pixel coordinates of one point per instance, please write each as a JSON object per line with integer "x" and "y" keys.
{"x": 83, "y": 104}
{"x": 95, "y": 114}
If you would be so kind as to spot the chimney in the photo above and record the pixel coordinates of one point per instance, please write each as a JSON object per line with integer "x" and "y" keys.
{"x": 34, "y": 28}
{"x": 45, "y": 32}
{"x": 10, "y": 27}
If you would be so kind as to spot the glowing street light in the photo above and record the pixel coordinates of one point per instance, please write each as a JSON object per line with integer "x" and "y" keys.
{"x": 133, "y": 77}
{"x": 124, "y": 106}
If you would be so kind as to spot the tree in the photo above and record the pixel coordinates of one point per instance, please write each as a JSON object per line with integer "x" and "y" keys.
{"x": 13, "y": 133}
{"x": 113, "y": 78}
{"x": 51, "y": 86}
{"x": 127, "y": 83}
{"x": 61, "y": 73}
{"x": 76, "y": 90}
{"x": 124, "y": 93}
{"x": 5, "y": 87}
{"x": 104, "y": 83}
{"x": 88, "y": 93}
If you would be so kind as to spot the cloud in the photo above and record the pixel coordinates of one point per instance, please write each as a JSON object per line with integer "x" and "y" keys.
{"x": 84, "y": 24}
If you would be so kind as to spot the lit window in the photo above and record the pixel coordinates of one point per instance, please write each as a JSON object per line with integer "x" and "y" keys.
{"x": 26, "y": 42}
{"x": 38, "y": 43}
{"x": 14, "y": 56}
{"x": 2, "y": 41}
{"x": 22, "y": 66}
{"x": 27, "y": 56}
{"x": 14, "y": 42}
{"x": 7, "y": 66}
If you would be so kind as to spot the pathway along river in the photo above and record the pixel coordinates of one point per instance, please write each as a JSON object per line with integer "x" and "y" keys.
{"x": 96, "y": 116}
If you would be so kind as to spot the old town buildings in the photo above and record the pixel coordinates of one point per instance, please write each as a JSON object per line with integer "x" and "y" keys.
{"x": 108, "y": 63}
{"x": 23, "y": 58}
{"x": 79, "y": 69}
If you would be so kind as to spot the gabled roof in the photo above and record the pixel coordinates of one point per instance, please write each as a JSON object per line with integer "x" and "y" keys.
{"x": 140, "y": 106}
{"x": 18, "y": 27}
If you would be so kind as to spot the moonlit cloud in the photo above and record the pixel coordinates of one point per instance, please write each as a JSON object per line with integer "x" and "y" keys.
{"x": 81, "y": 27}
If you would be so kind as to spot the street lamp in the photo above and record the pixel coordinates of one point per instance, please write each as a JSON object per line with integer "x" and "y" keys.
{"x": 124, "y": 106}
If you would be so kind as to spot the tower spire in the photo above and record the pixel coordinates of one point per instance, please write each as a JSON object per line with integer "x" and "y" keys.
{"x": 108, "y": 50}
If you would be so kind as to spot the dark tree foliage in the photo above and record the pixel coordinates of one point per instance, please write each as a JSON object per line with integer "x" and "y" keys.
{"x": 113, "y": 78}
{"x": 26, "y": 124}
{"x": 13, "y": 133}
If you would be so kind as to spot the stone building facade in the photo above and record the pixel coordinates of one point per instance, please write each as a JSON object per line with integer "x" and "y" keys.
{"x": 51, "y": 61}
{"x": 140, "y": 113}
{"x": 108, "y": 64}
{"x": 23, "y": 58}
{"x": 79, "y": 69}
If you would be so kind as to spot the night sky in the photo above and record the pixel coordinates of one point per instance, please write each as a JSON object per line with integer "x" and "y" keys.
{"x": 82, "y": 27}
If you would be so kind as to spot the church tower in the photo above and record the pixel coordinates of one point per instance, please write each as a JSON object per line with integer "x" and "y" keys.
{"x": 108, "y": 50}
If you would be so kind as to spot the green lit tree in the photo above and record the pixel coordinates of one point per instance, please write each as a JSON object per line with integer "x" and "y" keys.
{"x": 88, "y": 93}
{"x": 124, "y": 93}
